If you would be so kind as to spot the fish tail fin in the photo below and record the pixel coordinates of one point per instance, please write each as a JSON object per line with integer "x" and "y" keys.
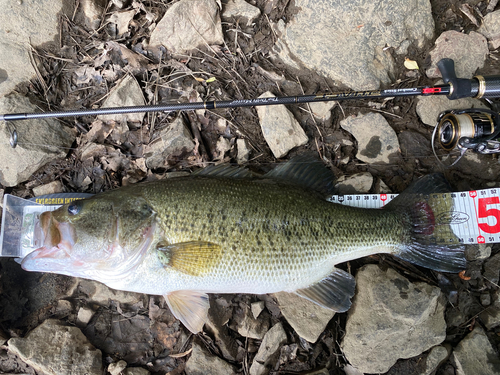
{"x": 426, "y": 213}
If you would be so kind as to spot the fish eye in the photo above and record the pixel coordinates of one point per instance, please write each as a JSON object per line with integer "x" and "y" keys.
{"x": 74, "y": 208}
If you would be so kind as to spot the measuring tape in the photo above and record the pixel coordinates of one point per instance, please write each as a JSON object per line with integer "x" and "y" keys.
{"x": 475, "y": 215}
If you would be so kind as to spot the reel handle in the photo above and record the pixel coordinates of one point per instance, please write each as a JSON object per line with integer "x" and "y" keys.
{"x": 478, "y": 87}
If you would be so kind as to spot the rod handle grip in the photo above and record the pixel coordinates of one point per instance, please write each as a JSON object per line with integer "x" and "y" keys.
{"x": 459, "y": 87}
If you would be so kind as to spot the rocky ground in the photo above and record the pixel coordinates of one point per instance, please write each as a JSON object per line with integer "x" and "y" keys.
{"x": 404, "y": 319}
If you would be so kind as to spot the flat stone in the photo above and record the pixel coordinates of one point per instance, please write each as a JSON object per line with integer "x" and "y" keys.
{"x": 492, "y": 269}
{"x": 243, "y": 151}
{"x": 117, "y": 368}
{"x": 434, "y": 359}
{"x": 281, "y": 130}
{"x": 307, "y": 318}
{"x": 357, "y": 183}
{"x": 491, "y": 28}
{"x": 202, "y": 362}
{"x": 251, "y": 327}
{"x": 22, "y": 23}
{"x": 101, "y": 294}
{"x": 50, "y": 188}
{"x": 257, "y": 308}
{"x": 83, "y": 317}
{"x": 377, "y": 141}
{"x": 92, "y": 12}
{"x": 172, "y": 139}
{"x": 53, "y": 348}
{"x": 429, "y": 107}
{"x": 268, "y": 350}
{"x": 187, "y": 25}
{"x": 136, "y": 371}
{"x": 40, "y": 142}
{"x": 126, "y": 93}
{"x": 478, "y": 252}
{"x": 451, "y": 44}
{"x": 491, "y": 315}
{"x": 345, "y": 40}
{"x": 240, "y": 9}
{"x": 475, "y": 355}
{"x": 322, "y": 110}
{"x": 391, "y": 318}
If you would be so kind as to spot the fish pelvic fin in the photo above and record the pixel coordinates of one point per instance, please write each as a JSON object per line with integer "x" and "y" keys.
{"x": 334, "y": 292}
{"x": 427, "y": 213}
{"x": 190, "y": 307}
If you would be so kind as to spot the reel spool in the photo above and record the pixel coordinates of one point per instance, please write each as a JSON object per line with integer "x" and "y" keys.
{"x": 457, "y": 131}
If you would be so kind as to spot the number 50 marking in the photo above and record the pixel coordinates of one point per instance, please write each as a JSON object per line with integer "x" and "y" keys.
{"x": 484, "y": 212}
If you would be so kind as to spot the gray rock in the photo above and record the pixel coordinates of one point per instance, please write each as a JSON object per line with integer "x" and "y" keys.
{"x": 187, "y": 25}
{"x": 202, "y": 362}
{"x": 243, "y": 151}
{"x": 251, "y": 327}
{"x": 257, "y": 308}
{"x": 475, "y": 355}
{"x": 92, "y": 11}
{"x": 50, "y": 188}
{"x": 83, "y": 317}
{"x": 491, "y": 315}
{"x": 101, "y": 294}
{"x": 127, "y": 92}
{"x": 322, "y": 110}
{"x": 281, "y": 130}
{"x": 307, "y": 318}
{"x": 22, "y": 23}
{"x": 429, "y": 107}
{"x": 452, "y": 44}
{"x": 40, "y": 141}
{"x": 377, "y": 141}
{"x": 345, "y": 40}
{"x": 218, "y": 316}
{"x": 240, "y": 9}
{"x": 173, "y": 139}
{"x": 478, "y": 252}
{"x": 491, "y": 28}
{"x": 434, "y": 359}
{"x": 117, "y": 368}
{"x": 357, "y": 183}
{"x": 53, "y": 348}
{"x": 268, "y": 350}
{"x": 136, "y": 371}
{"x": 391, "y": 318}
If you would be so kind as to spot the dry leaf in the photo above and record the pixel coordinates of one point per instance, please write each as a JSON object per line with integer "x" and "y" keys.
{"x": 410, "y": 64}
{"x": 211, "y": 79}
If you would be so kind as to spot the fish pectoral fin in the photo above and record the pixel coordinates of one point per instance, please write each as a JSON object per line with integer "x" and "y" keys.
{"x": 334, "y": 292}
{"x": 190, "y": 307}
{"x": 194, "y": 258}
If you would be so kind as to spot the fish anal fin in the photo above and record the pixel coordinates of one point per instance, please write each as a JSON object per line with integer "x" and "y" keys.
{"x": 190, "y": 307}
{"x": 194, "y": 258}
{"x": 334, "y": 292}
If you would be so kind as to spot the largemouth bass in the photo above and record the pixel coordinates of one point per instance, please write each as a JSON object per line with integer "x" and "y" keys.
{"x": 223, "y": 230}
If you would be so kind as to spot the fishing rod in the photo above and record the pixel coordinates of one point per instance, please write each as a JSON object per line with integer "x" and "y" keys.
{"x": 453, "y": 88}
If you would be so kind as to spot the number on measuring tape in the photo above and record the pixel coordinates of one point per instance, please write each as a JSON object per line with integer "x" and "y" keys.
{"x": 485, "y": 212}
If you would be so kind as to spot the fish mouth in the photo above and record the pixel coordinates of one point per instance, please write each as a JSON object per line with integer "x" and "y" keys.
{"x": 58, "y": 241}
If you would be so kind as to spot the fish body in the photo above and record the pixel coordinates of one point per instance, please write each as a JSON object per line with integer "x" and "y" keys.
{"x": 224, "y": 231}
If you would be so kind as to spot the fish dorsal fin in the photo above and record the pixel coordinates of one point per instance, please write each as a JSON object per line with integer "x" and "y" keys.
{"x": 190, "y": 307}
{"x": 195, "y": 258}
{"x": 334, "y": 292}
{"x": 223, "y": 170}
{"x": 306, "y": 171}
